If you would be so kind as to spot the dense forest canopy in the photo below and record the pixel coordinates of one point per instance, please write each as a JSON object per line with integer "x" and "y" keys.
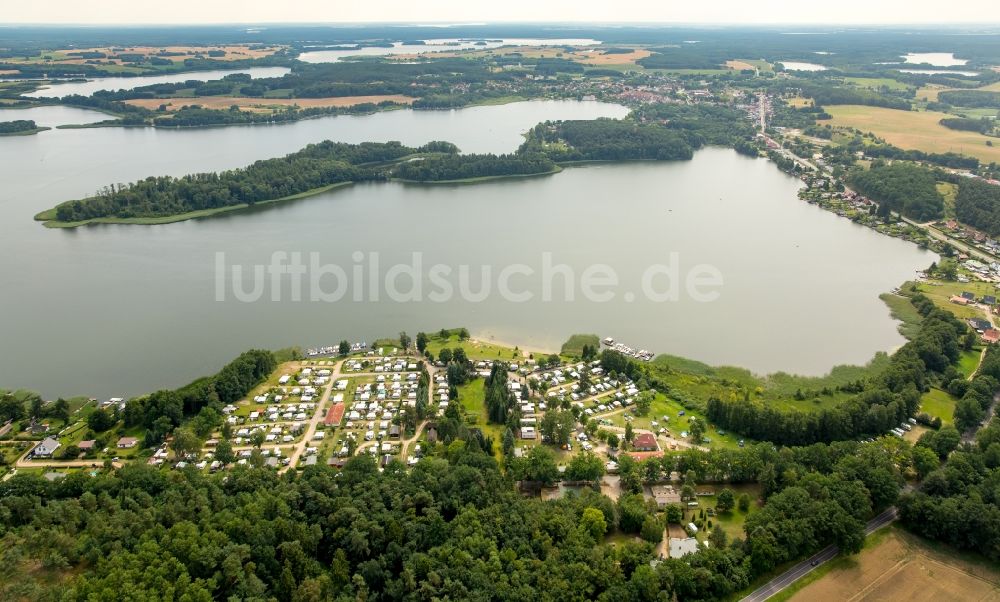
{"x": 453, "y": 527}
{"x": 907, "y": 189}
{"x": 978, "y": 204}
{"x": 17, "y": 126}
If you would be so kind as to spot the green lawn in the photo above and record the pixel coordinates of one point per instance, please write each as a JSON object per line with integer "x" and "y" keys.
{"x": 939, "y": 403}
{"x": 574, "y": 345}
{"x": 472, "y": 396}
{"x": 665, "y": 406}
{"x": 940, "y": 291}
{"x": 475, "y": 350}
{"x": 731, "y": 522}
{"x": 968, "y": 362}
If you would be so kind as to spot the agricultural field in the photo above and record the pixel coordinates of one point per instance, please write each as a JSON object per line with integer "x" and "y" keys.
{"x": 931, "y": 92}
{"x": 877, "y": 83}
{"x": 918, "y": 130}
{"x": 265, "y": 105}
{"x": 174, "y": 54}
{"x": 895, "y": 565}
{"x": 595, "y": 57}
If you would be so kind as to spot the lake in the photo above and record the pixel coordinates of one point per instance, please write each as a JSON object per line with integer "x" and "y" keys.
{"x": 937, "y": 59}
{"x": 338, "y": 52}
{"x": 940, "y": 72}
{"x": 86, "y": 88}
{"x": 121, "y": 310}
{"x": 54, "y": 116}
{"x": 800, "y": 66}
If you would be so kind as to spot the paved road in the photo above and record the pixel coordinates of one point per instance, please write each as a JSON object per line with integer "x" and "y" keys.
{"x": 803, "y": 568}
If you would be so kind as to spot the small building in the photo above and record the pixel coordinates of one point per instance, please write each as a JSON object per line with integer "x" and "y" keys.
{"x": 86, "y": 446}
{"x": 991, "y": 335}
{"x": 127, "y": 442}
{"x": 527, "y": 432}
{"x": 980, "y": 325}
{"x": 665, "y": 495}
{"x": 644, "y": 442}
{"x": 957, "y": 300}
{"x": 989, "y": 300}
{"x": 693, "y": 528}
{"x": 968, "y": 296}
{"x": 46, "y": 448}
{"x": 680, "y": 548}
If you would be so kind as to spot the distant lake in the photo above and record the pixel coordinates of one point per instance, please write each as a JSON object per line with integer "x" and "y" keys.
{"x": 939, "y": 72}
{"x": 338, "y": 53}
{"x": 800, "y": 66}
{"x": 54, "y": 116}
{"x": 122, "y": 310}
{"x": 86, "y": 88}
{"x": 937, "y": 59}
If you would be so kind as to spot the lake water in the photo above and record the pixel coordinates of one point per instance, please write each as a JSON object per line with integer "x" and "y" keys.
{"x": 86, "y": 88}
{"x": 54, "y": 116}
{"x": 333, "y": 55}
{"x": 940, "y": 72}
{"x": 937, "y": 59}
{"x": 121, "y": 310}
{"x": 800, "y": 66}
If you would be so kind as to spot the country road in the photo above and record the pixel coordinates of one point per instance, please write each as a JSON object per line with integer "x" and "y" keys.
{"x": 803, "y": 568}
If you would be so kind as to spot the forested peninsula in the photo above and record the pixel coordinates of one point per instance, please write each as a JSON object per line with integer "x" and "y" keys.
{"x": 319, "y": 167}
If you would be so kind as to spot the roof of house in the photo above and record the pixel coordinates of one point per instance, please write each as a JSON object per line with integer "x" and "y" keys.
{"x": 46, "y": 447}
{"x": 335, "y": 414}
{"x": 89, "y": 444}
{"x": 644, "y": 441}
{"x": 992, "y": 335}
{"x": 124, "y": 441}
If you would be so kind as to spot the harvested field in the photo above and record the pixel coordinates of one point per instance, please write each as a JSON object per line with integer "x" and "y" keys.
{"x": 587, "y": 56}
{"x": 171, "y": 53}
{"x": 901, "y": 566}
{"x": 264, "y": 104}
{"x": 739, "y": 66}
{"x": 918, "y": 130}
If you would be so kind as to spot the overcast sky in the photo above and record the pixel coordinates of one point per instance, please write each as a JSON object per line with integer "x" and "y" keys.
{"x": 437, "y": 11}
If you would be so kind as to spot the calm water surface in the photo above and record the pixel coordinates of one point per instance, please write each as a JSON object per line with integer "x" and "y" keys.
{"x": 339, "y": 53}
{"x": 86, "y": 88}
{"x": 120, "y": 310}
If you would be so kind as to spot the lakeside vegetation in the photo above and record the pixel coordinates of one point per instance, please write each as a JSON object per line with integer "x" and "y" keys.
{"x": 20, "y": 127}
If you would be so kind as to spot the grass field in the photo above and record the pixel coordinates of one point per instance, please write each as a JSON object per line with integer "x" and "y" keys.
{"x": 931, "y": 92}
{"x": 938, "y": 403}
{"x": 940, "y": 292}
{"x": 574, "y": 345}
{"x": 896, "y": 565}
{"x": 948, "y": 192}
{"x": 474, "y": 349}
{"x": 259, "y": 104}
{"x": 918, "y": 130}
{"x": 876, "y": 83}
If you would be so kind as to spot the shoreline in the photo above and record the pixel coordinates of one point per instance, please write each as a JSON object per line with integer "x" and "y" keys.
{"x": 47, "y": 216}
